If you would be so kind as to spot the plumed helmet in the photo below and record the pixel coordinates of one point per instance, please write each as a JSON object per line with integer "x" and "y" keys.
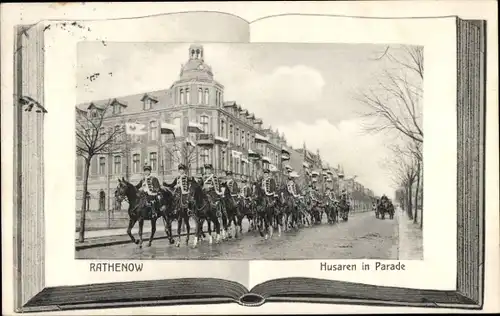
{"x": 229, "y": 173}
{"x": 147, "y": 167}
{"x": 182, "y": 167}
{"x": 208, "y": 166}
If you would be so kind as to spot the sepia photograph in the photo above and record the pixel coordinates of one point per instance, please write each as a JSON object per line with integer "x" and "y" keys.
{"x": 248, "y": 151}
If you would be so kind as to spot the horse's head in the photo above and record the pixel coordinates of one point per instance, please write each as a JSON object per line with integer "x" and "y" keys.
{"x": 195, "y": 189}
{"x": 124, "y": 190}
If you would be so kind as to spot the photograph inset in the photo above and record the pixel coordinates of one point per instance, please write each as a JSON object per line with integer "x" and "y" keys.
{"x": 249, "y": 151}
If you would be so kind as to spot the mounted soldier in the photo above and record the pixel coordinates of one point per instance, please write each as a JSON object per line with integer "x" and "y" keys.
{"x": 150, "y": 188}
{"x": 292, "y": 186}
{"x": 232, "y": 185}
{"x": 180, "y": 185}
{"x": 268, "y": 184}
{"x": 246, "y": 190}
{"x": 211, "y": 185}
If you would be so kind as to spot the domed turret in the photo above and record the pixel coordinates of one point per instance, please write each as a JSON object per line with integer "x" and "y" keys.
{"x": 196, "y": 68}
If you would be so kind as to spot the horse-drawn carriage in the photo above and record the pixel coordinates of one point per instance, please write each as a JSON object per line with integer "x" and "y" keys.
{"x": 383, "y": 207}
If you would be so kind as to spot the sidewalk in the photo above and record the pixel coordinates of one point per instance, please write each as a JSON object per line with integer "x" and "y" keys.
{"x": 410, "y": 238}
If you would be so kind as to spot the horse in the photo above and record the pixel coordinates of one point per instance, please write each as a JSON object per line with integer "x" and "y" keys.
{"x": 204, "y": 210}
{"x": 183, "y": 208}
{"x": 332, "y": 211}
{"x": 264, "y": 208}
{"x": 231, "y": 211}
{"x": 291, "y": 210}
{"x": 344, "y": 207}
{"x": 245, "y": 209}
{"x": 167, "y": 207}
{"x": 281, "y": 208}
{"x": 138, "y": 210}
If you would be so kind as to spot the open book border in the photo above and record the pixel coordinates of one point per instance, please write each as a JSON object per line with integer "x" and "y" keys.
{"x": 31, "y": 295}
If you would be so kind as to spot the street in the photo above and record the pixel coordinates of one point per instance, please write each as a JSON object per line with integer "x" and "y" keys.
{"x": 363, "y": 236}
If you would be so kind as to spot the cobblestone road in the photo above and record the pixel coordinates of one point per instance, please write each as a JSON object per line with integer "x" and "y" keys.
{"x": 363, "y": 236}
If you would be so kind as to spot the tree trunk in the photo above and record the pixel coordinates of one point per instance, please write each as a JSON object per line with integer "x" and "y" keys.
{"x": 409, "y": 210}
{"x": 421, "y": 199}
{"x": 81, "y": 237}
{"x": 415, "y": 218}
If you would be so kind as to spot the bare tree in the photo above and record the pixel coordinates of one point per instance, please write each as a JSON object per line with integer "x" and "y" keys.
{"x": 405, "y": 170}
{"x": 394, "y": 103}
{"x": 182, "y": 152}
{"x": 93, "y": 138}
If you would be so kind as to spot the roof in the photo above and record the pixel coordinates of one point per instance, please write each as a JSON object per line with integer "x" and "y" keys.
{"x": 133, "y": 103}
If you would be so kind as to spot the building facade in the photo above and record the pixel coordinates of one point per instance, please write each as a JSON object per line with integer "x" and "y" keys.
{"x": 208, "y": 129}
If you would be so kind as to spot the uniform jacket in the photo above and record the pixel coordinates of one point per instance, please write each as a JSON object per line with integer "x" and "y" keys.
{"x": 212, "y": 182}
{"x": 181, "y": 182}
{"x": 150, "y": 185}
{"x": 269, "y": 186}
{"x": 292, "y": 188}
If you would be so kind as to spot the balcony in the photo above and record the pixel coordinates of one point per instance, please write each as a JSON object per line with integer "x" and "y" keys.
{"x": 204, "y": 139}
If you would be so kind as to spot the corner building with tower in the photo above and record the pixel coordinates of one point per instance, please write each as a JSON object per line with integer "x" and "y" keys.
{"x": 208, "y": 130}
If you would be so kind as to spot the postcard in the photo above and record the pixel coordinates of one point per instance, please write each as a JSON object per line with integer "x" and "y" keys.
{"x": 196, "y": 158}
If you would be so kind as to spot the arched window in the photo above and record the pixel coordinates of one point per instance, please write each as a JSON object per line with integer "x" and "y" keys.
{"x": 188, "y": 96}
{"x": 200, "y": 96}
{"x": 216, "y": 97}
{"x": 181, "y": 96}
{"x": 206, "y": 96}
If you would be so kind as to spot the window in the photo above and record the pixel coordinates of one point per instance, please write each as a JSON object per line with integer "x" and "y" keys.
{"x": 231, "y": 139}
{"x": 117, "y": 133}
{"x": 102, "y": 134}
{"x": 93, "y": 114}
{"x": 117, "y": 163}
{"x": 102, "y": 165}
{"x": 204, "y": 156}
{"x": 153, "y": 161}
{"x": 147, "y": 104}
{"x": 248, "y": 139}
{"x": 237, "y": 169}
{"x": 153, "y": 130}
{"x": 136, "y": 163}
{"x": 181, "y": 97}
{"x": 188, "y": 96}
{"x": 216, "y": 97}
{"x": 222, "y": 160}
{"x": 231, "y": 163}
{"x": 222, "y": 130}
{"x": 237, "y": 136}
{"x": 243, "y": 139}
{"x": 206, "y": 96}
{"x": 200, "y": 96}
{"x": 204, "y": 123}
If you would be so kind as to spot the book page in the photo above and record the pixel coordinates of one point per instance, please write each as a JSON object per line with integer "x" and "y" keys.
{"x": 90, "y": 61}
{"x": 358, "y": 250}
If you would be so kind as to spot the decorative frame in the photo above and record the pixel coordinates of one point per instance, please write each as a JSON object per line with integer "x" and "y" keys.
{"x": 31, "y": 294}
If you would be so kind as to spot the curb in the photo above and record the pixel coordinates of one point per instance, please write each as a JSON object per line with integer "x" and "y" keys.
{"x": 119, "y": 242}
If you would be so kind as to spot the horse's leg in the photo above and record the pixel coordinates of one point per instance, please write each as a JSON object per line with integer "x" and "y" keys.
{"x": 131, "y": 223}
{"x": 153, "y": 231}
{"x": 141, "y": 226}
{"x": 179, "y": 230}
{"x": 197, "y": 230}
{"x": 188, "y": 227}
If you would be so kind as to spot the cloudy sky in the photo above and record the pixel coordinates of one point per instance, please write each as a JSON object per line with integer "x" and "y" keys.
{"x": 304, "y": 90}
